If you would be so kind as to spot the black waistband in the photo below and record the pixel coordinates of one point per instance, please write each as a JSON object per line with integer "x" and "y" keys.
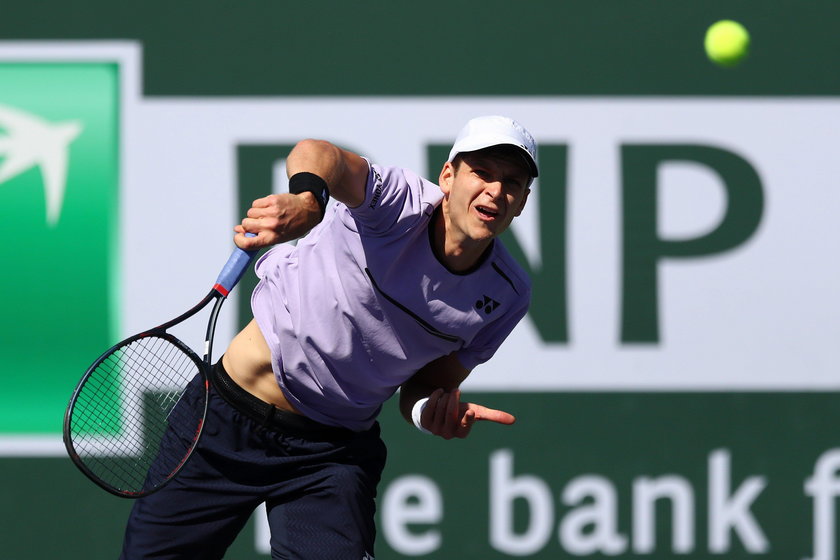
{"x": 269, "y": 415}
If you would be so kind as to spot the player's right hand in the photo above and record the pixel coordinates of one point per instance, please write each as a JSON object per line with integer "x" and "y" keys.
{"x": 277, "y": 218}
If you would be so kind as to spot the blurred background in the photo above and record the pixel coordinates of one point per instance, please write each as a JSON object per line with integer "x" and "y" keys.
{"x": 675, "y": 380}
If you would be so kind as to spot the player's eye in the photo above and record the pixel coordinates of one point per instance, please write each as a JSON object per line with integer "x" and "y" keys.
{"x": 482, "y": 174}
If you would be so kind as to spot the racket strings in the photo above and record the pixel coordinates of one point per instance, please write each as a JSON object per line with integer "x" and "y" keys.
{"x": 142, "y": 394}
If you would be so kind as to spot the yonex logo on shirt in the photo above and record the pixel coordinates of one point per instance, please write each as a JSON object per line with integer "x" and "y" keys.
{"x": 377, "y": 189}
{"x": 488, "y": 304}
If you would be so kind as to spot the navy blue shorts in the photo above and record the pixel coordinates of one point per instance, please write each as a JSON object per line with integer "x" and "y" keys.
{"x": 318, "y": 483}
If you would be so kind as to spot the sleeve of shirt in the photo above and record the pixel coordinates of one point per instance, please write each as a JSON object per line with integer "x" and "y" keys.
{"x": 395, "y": 199}
{"x": 485, "y": 344}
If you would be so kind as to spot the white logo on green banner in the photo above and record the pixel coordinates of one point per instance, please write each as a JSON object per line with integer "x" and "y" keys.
{"x": 30, "y": 141}
{"x": 59, "y": 155}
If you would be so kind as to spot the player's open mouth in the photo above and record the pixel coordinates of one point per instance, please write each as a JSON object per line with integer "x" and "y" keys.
{"x": 486, "y": 212}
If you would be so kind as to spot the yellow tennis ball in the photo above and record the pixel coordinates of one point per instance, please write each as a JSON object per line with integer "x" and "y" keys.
{"x": 727, "y": 42}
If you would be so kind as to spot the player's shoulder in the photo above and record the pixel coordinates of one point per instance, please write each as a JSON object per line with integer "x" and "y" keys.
{"x": 400, "y": 179}
{"x": 396, "y": 200}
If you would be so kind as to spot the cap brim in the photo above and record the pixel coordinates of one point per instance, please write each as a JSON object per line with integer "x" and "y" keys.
{"x": 475, "y": 144}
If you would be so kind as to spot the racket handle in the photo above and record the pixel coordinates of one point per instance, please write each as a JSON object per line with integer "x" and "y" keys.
{"x": 234, "y": 268}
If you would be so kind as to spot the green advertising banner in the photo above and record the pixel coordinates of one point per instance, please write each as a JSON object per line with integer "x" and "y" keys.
{"x": 661, "y": 475}
{"x": 59, "y": 165}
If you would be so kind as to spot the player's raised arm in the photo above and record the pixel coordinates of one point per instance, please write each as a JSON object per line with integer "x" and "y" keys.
{"x": 317, "y": 170}
{"x": 344, "y": 173}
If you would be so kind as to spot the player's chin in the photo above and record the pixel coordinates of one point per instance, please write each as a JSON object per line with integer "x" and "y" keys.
{"x": 483, "y": 233}
{"x": 488, "y": 229}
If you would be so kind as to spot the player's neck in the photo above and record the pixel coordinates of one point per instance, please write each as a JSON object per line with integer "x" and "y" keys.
{"x": 454, "y": 249}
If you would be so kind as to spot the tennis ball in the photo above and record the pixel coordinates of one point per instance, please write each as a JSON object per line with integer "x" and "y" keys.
{"x": 727, "y": 42}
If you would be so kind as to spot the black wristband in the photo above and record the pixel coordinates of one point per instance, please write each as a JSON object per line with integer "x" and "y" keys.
{"x": 305, "y": 181}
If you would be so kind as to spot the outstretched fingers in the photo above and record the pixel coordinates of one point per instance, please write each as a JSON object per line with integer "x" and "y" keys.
{"x": 492, "y": 415}
{"x": 446, "y": 416}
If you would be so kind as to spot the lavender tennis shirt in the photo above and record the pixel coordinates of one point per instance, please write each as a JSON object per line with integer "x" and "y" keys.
{"x": 361, "y": 303}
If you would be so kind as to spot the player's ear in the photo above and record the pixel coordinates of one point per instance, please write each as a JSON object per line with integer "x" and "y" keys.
{"x": 522, "y": 204}
{"x": 447, "y": 175}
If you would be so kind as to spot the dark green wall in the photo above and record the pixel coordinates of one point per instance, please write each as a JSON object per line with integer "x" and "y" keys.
{"x": 445, "y": 47}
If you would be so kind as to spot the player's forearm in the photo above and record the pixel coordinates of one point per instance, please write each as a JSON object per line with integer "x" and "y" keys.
{"x": 308, "y": 215}
{"x": 344, "y": 172}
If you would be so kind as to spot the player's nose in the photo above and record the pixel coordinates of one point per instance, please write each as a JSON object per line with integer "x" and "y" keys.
{"x": 493, "y": 189}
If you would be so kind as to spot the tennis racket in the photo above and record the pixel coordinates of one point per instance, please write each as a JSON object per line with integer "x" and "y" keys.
{"x": 137, "y": 414}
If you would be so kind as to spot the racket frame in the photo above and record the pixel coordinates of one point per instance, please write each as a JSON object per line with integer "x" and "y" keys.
{"x": 231, "y": 273}
{"x": 203, "y": 364}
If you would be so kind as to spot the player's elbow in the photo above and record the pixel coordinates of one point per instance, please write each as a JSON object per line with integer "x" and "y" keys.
{"x": 315, "y": 150}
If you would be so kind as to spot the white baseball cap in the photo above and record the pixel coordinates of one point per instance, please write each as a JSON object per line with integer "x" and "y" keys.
{"x": 495, "y": 130}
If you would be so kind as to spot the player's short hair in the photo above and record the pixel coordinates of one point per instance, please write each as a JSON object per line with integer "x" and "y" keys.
{"x": 505, "y": 152}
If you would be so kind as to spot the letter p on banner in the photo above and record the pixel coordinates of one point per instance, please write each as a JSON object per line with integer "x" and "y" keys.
{"x": 643, "y": 248}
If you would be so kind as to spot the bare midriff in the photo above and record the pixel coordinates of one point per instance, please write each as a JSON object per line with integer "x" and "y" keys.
{"x": 248, "y": 362}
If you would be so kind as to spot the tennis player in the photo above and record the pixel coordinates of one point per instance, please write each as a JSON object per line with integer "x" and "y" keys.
{"x": 402, "y": 285}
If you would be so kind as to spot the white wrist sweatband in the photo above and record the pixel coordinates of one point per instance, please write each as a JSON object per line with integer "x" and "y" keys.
{"x": 417, "y": 411}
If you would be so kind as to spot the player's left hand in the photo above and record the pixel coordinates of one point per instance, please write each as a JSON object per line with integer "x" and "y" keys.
{"x": 446, "y": 416}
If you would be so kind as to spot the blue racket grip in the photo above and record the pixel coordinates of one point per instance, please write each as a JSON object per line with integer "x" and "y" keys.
{"x": 234, "y": 268}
